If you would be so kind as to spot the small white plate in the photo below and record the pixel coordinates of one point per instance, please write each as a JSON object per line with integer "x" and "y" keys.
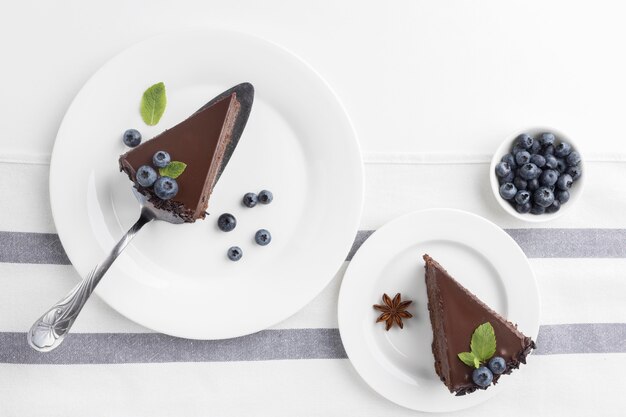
{"x": 399, "y": 364}
{"x": 299, "y": 143}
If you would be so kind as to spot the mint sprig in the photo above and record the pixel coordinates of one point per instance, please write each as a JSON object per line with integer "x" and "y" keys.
{"x": 153, "y": 104}
{"x": 482, "y": 345}
{"x": 173, "y": 169}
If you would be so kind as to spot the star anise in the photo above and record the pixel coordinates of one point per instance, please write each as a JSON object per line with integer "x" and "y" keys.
{"x": 393, "y": 311}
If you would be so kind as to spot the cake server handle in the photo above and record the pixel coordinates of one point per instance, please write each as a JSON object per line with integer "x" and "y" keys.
{"x": 49, "y": 331}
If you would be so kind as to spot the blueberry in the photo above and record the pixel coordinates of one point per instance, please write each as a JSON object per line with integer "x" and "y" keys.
{"x": 537, "y": 209}
{"x": 533, "y": 185}
{"x": 548, "y": 150}
{"x": 564, "y": 182}
{"x": 554, "y": 207}
{"x": 543, "y": 197}
{"x": 522, "y": 158}
{"x": 520, "y": 183}
{"x": 482, "y": 376}
{"x": 551, "y": 161}
{"x": 573, "y": 159}
{"x": 562, "y": 150}
{"x": 262, "y": 237}
{"x": 546, "y": 139}
{"x": 509, "y": 159}
{"x": 235, "y": 253}
{"x": 517, "y": 149}
{"x": 522, "y": 197}
{"x": 524, "y": 141}
{"x": 561, "y": 165}
{"x": 548, "y": 177}
{"x": 562, "y": 196}
{"x": 132, "y": 138}
{"x": 508, "y": 178}
{"x": 523, "y": 208}
{"x": 165, "y": 188}
{"x": 574, "y": 172}
{"x": 538, "y": 160}
{"x": 226, "y": 222}
{"x": 535, "y": 148}
{"x": 161, "y": 159}
{"x": 497, "y": 365}
{"x": 508, "y": 191}
{"x": 503, "y": 169}
{"x": 265, "y": 197}
{"x": 250, "y": 200}
{"x": 529, "y": 171}
{"x": 146, "y": 176}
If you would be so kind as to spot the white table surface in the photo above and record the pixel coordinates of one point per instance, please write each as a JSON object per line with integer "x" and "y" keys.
{"x": 416, "y": 77}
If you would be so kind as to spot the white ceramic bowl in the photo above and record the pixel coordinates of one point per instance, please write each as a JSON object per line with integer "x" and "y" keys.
{"x": 506, "y": 147}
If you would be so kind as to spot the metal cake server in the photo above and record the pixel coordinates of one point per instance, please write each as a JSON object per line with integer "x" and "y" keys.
{"x": 48, "y": 332}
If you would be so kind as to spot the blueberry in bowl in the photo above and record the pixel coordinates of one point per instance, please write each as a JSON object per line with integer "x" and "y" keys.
{"x": 537, "y": 174}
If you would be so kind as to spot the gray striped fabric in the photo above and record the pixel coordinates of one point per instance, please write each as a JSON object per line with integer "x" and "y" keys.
{"x": 117, "y": 348}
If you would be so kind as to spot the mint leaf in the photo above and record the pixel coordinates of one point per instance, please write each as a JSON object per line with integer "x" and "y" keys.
{"x": 483, "y": 342}
{"x": 476, "y": 362}
{"x": 467, "y": 358}
{"x": 153, "y": 104}
{"x": 173, "y": 169}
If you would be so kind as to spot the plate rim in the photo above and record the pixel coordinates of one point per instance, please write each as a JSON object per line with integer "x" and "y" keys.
{"x": 212, "y": 31}
{"x": 343, "y": 291}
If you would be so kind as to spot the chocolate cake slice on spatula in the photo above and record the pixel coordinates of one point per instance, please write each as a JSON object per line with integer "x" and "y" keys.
{"x": 204, "y": 142}
{"x": 473, "y": 345}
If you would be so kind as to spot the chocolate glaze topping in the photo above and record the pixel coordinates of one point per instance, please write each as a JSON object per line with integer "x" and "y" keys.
{"x": 205, "y": 142}
{"x": 454, "y": 314}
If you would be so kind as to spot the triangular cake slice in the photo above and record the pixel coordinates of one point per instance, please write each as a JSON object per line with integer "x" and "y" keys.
{"x": 205, "y": 142}
{"x": 454, "y": 315}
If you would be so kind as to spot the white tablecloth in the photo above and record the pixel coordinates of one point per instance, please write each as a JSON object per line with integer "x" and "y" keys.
{"x": 432, "y": 89}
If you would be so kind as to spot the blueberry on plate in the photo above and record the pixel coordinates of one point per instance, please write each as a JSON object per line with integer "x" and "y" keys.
{"x": 537, "y": 209}
{"x": 547, "y": 150}
{"x": 533, "y": 185}
{"x": 503, "y": 169}
{"x": 554, "y": 207}
{"x": 561, "y": 165}
{"x": 573, "y": 159}
{"x": 543, "y": 197}
{"x": 551, "y": 161}
{"x": 520, "y": 183}
{"x": 146, "y": 176}
{"x": 564, "y": 182}
{"x": 235, "y": 253}
{"x": 507, "y": 178}
{"x": 165, "y": 188}
{"x": 524, "y": 141}
{"x": 508, "y": 191}
{"x": 161, "y": 159}
{"x": 562, "y": 150}
{"x": 226, "y": 222}
{"x": 562, "y": 196}
{"x": 132, "y": 138}
{"x": 482, "y": 376}
{"x": 523, "y": 208}
{"x": 546, "y": 139}
{"x": 522, "y": 197}
{"x": 266, "y": 197}
{"x": 250, "y": 200}
{"x": 538, "y": 160}
{"x": 262, "y": 237}
{"x": 529, "y": 171}
{"x": 509, "y": 159}
{"x": 548, "y": 177}
{"x": 497, "y": 365}
{"x": 522, "y": 158}
{"x": 575, "y": 172}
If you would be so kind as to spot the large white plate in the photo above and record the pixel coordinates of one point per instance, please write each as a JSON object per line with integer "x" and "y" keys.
{"x": 399, "y": 364}
{"x": 299, "y": 143}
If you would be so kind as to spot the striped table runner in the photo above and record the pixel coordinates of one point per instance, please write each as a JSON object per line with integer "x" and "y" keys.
{"x": 110, "y": 366}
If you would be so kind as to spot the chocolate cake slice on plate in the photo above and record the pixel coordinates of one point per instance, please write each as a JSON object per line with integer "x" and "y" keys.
{"x": 205, "y": 142}
{"x": 455, "y": 313}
